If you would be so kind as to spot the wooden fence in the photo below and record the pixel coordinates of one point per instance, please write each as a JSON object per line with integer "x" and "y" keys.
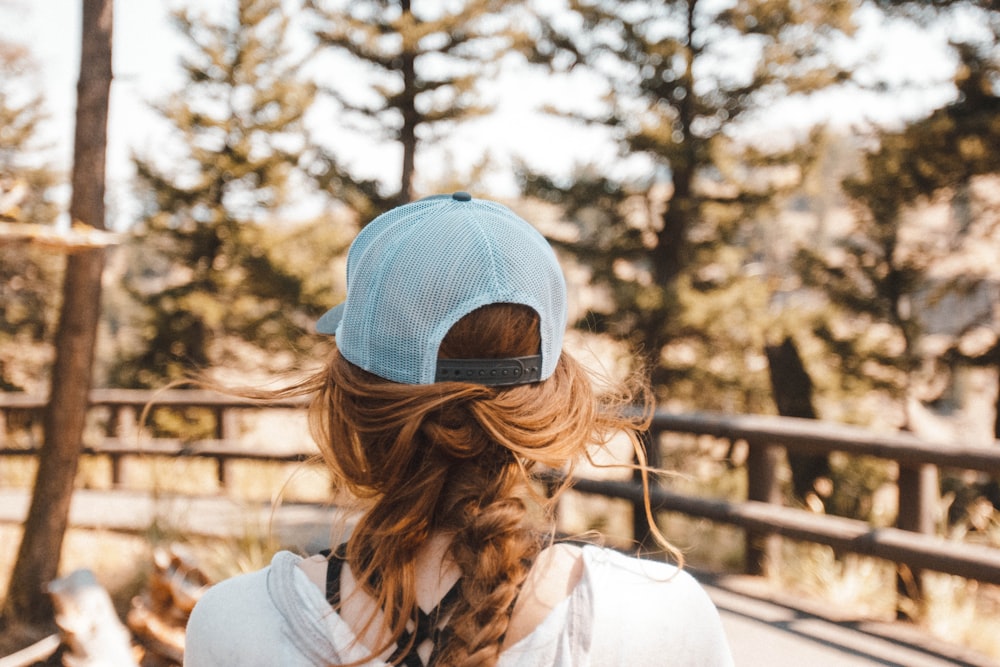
{"x": 911, "y": 542}
{"x": 761, "y": 515}
{"x": 122, "y": 409}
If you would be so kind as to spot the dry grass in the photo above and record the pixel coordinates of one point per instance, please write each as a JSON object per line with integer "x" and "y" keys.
{"x": 953, "y": 609}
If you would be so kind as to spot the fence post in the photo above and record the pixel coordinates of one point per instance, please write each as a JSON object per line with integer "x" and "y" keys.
{"x": 122, "y": 425}
{"x": 919, "y": 497}
{"x": 641, "y": 533}
{"x": 762, "y": 548}
{"x": 225, "y": 426}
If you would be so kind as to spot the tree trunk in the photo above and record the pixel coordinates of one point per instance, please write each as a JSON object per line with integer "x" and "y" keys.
{"x": 992, "y": 490}
{"x": 408, "y": 132}
{"x": 41, "y": 544}
{"x": 996, "y": 405}
{"x": 672, "y": 255}
{"x": 791, "y": 388}
{"x": 411, "y": 118}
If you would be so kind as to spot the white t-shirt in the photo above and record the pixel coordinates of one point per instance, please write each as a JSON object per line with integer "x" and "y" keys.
{"x": 623, "y": 611}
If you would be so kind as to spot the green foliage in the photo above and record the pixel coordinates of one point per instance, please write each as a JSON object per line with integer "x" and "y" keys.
{"x": 422, "y": 63}
{"x": 685, "y": 236}
{"x": 729, "y": 329}
{"x": 202, "y": 270}
{"x": 28, "y": 276}
{"x": 884, "y": 275}
{"x": 857, "y": 482}
{"x": 187, "y": 423}
{"x": 944, "y": 150}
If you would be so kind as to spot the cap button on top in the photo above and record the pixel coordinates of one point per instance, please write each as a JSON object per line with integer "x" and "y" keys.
{"x": 462, "y": 196}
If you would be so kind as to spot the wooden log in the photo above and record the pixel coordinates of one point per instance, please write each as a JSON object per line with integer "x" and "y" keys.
{"x": 88, "y": 625}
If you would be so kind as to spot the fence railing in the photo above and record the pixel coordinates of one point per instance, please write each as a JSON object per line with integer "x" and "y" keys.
{"x": 121, "y": 439}
{"x": 911, "y": 542}
{"x": 761, "y": 514}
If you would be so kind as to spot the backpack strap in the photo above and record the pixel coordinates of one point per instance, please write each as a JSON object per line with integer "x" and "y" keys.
{"x": 427, "y": 627}
{"x": 334, "y": 564}
{"x": 425, "y": 624}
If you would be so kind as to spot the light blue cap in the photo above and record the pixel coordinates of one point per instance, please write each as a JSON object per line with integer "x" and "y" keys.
{"x": 416, "y": 270}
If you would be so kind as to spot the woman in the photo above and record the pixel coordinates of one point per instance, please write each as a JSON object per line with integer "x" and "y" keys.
{"x": 446, "y": 396}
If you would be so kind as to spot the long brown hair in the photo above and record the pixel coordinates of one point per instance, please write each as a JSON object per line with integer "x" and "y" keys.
{"x": 457, "y": 458}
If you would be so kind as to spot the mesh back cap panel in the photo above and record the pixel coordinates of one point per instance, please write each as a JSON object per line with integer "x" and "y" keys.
{"x": 417, "y": 269}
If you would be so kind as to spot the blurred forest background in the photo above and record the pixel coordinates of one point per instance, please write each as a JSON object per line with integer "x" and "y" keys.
{"x": 723, "y": 244}
{"x": 755, "y": 261}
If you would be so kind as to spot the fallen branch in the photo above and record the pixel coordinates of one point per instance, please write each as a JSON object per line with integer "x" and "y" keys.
{"x": 29, "y": 655}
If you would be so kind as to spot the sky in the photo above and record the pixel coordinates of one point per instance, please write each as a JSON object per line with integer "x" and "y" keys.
{"x": 146, "y": 49}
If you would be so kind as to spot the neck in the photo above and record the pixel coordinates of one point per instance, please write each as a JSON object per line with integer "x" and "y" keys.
{"x": 436, "y": 571}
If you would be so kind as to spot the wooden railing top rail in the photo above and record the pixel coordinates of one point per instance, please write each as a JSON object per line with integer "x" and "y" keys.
{"x": 973, "y": 561}
{"x": 819, "y": 437}
{"x": 175, "y": 447}
{"x": 140, "y": 398}
{"x": 800, "y": 435}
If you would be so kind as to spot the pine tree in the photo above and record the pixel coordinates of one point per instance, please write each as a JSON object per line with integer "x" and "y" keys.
{"x": 973, "y": 131}
{"x": 424, "y": 62}
{"x": 27, "y": 276}
{"x": 889, "y": 273}
{"x": 201, "y": 267}
{"x": 671, "y": 250}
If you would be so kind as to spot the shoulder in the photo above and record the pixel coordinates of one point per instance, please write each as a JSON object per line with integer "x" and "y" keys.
{"x": 226, "y": 615}
{"x": 644, "y": 607}
{"x": 552, "y": 579}
{"x": 606, "y": 564}
{"x": 239, "y": 621}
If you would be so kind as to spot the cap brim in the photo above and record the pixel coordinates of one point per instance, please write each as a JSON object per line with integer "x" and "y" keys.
{"x": 331, "y": 320}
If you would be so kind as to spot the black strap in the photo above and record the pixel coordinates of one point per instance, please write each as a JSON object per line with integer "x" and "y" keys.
{"x": 334, "y": 564}
{"x": 425, "y": 624}
{"x": 427, "y": 627}
{"x": 492, "y": 372}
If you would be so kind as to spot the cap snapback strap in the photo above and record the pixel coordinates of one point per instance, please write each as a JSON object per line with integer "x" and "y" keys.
{"x": 492, "y": 372}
